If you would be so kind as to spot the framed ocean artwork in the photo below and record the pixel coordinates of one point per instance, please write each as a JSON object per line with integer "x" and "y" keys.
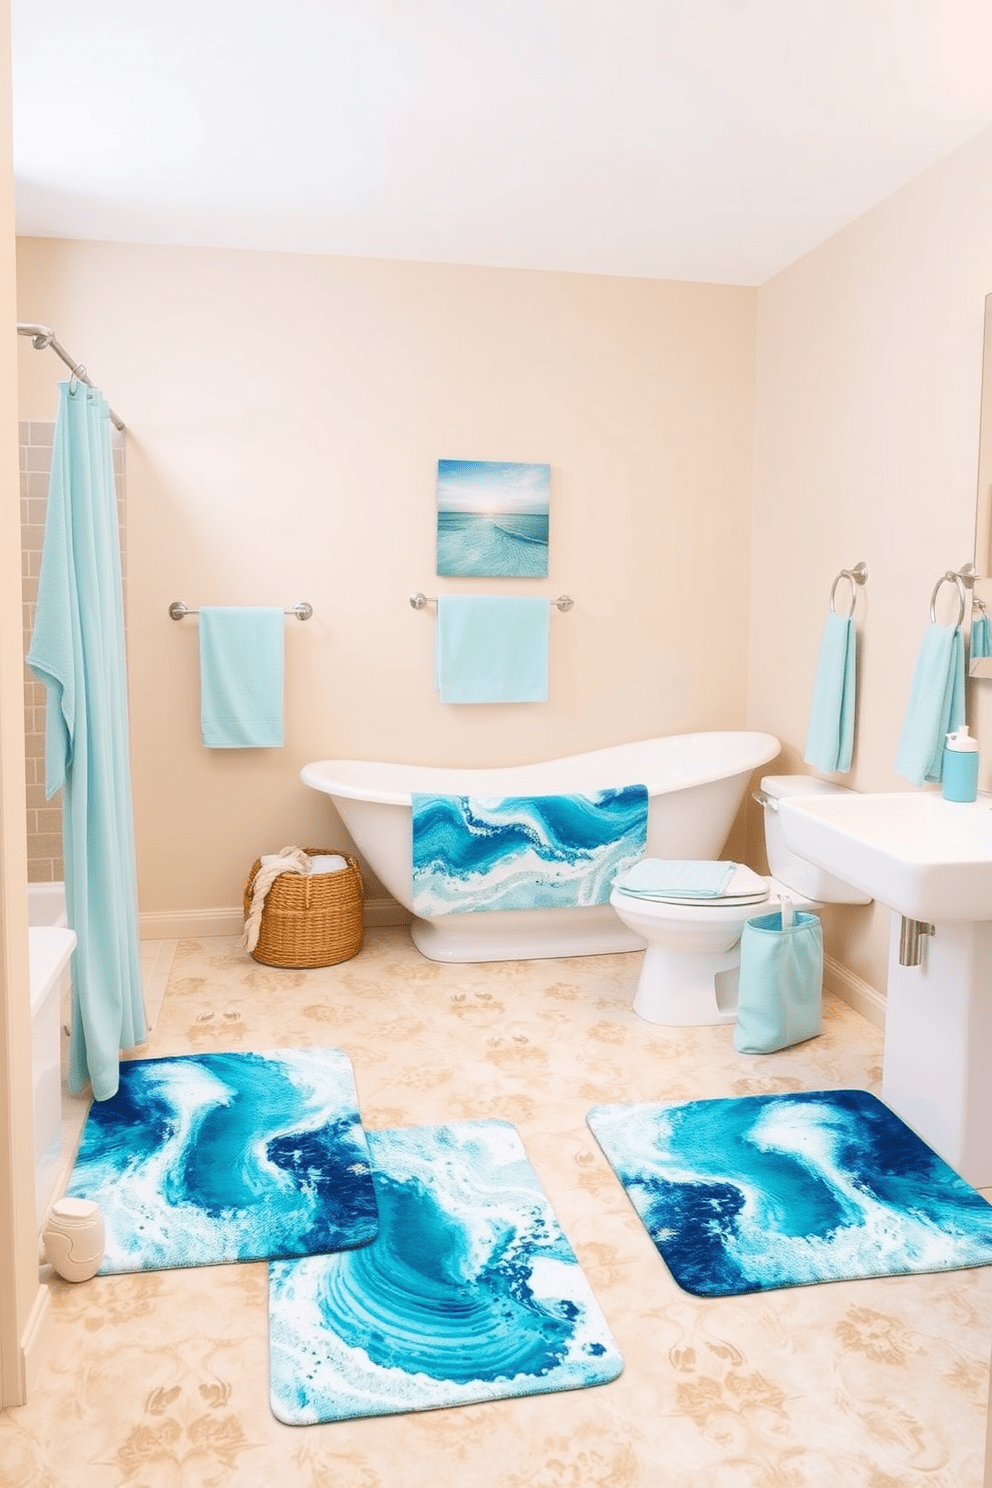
{"x": 492, "y": 519}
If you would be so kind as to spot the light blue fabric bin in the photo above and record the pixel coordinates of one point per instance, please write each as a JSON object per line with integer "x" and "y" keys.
{"x": 781, "y": 987}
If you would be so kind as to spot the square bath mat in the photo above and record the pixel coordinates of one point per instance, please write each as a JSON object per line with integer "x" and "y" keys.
{"x": 210, "y": 1158}
{"x": 470, "y": 1292}
{"x": 770, "y": 1191}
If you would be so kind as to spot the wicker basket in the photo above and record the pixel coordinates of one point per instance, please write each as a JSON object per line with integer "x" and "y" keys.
{"x": 310, "y": 919}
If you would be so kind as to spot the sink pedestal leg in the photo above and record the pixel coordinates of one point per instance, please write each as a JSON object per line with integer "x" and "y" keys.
{"x": 937, "y": 1069}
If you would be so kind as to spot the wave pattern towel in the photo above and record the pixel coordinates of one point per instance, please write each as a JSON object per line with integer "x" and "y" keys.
{"x": 523, "y": 852}
{"x": 241, "y": 677}
{"x": 936, "y": 704}
{"x": 830, "y": 734}
{"x": 492, "y": 648}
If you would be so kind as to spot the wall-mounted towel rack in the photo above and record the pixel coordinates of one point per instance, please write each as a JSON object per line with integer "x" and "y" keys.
{"x": 963, "y": 579}
{"x": 421, "y": 601}
{"x": 303, "y": 610}
{"x": 855, "y": 576}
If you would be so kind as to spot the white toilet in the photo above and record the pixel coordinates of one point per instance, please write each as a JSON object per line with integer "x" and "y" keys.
{"x": 692, "y": 962}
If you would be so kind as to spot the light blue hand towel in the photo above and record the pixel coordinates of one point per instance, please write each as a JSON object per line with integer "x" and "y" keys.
{"x": 936, "y": 704}
{"x": 241, "y": 677}
{"x": 491, "y": 649}
{"x": 981, "y": 637}
{"x": 830, "y": 734}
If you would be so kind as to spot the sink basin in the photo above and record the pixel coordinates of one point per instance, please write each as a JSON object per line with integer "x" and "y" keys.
{"x": 927, "y": 858}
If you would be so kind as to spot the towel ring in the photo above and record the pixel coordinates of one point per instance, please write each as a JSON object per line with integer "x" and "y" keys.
{"x": 854, "y": 576}
{"x": 949, "y": 578}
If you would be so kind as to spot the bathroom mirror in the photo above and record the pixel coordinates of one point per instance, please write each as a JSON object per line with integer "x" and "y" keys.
{"x": 982, "y": 592}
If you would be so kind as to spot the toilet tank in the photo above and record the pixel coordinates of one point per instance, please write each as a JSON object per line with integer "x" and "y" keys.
{"x": 783, "y": 864}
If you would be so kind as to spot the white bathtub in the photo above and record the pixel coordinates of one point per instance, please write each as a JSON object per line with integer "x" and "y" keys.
{"x": 50, "y": 945}
{"x": 696, "y": 783}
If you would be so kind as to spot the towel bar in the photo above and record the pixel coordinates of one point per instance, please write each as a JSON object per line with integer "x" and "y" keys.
{"x": 856, "y": 575}
{"x": 303, "y": 610}
{"x": 421, "y": 601}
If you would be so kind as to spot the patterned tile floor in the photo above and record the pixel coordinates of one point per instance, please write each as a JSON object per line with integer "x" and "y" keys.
{"x": 161, "y": 1379}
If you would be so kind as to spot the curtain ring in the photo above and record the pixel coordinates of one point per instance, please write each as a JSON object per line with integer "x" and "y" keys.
{"x": 949, "y": 578}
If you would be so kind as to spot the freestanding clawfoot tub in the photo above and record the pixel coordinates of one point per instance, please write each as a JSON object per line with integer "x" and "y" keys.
{"x": 695, "y": 783}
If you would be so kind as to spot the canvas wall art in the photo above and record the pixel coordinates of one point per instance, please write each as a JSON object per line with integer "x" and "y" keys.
{"x": 492, "y": 519}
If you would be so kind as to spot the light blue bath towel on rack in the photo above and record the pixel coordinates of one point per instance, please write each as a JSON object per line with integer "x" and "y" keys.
{"x": 492, "y": 648}
{"x": 241, "y": 677}
{"x": 936, "y": 704}
{"x": 830, "y": 734}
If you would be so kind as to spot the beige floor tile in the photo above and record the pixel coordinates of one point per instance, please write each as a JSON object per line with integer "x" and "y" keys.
{"x": 160, "y": 1380}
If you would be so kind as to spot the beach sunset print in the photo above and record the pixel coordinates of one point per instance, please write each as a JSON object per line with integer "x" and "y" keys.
{"x": 492, "y": 519}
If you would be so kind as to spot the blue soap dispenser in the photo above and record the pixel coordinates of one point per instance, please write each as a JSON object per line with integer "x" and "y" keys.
{"x": 960, "y": 772}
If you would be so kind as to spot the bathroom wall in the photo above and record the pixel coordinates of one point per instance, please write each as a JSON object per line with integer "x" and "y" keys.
{"x": 868, "y": 383}
{"x": 285, "y": 417}
{"x": 44, "y": 817}
{"x": 21, "y": 1298}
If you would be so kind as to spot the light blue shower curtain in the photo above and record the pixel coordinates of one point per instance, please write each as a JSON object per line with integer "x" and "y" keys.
{"x": 77, "y": 650}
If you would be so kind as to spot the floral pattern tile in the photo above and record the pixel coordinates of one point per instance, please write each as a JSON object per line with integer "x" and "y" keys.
{"x": 160, "y": 1380}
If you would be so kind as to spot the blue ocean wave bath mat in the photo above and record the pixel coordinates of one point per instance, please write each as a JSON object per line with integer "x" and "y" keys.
{"x": 470, "y": 1292}
{"x": 770, "y": 1191}
{"x": 210, "y": 1158}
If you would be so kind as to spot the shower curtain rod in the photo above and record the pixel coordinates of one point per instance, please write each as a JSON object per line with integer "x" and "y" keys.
{"x": 42, "y": 336}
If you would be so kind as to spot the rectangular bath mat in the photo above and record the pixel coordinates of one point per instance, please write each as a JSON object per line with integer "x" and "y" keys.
{"x": 771, "y": 1191}
{"x": 210, "y": 1158}
{"x": 470, "y": 1292}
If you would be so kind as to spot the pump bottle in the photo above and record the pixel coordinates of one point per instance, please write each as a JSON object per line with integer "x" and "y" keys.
{"x": 960, "y": 774}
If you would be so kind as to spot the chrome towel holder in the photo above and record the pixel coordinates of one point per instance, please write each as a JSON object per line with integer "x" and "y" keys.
{"x": 855, "y": 576}
{"x": 420, "y": 601}
{"x": 964, "y": 579}
{"x": 302, "y": 610}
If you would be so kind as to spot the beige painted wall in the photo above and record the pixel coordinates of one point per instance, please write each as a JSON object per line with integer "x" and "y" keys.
{"x": 19, "y": 1291}
{"x": 285, "y": 417}
{"x": 868, "y": 380}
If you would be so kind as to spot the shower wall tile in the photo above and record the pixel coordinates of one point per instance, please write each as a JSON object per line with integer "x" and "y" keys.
{"x": 44, "y": 818}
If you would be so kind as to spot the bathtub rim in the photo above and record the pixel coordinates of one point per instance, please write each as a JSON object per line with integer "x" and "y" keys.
{"x": 764, "y": 747}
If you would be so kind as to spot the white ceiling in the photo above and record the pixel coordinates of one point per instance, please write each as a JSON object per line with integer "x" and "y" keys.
{"x": 693, "y": 139}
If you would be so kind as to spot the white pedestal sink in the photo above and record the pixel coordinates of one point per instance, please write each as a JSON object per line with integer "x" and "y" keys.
{"x": 930, "y": 861}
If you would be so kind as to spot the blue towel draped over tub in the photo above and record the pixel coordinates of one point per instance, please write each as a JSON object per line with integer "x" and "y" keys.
{"x": 936, "y": 704}
{"x": 492, "y": 648}
{"x": 77, "y": 650}
{"x": 241, "y": 677}
{"x": 473, "y": 853}
{"x": 830, "y": 735}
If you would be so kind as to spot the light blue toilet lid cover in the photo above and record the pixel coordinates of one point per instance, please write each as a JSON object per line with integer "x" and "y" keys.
{"x": 744, "y": 886}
